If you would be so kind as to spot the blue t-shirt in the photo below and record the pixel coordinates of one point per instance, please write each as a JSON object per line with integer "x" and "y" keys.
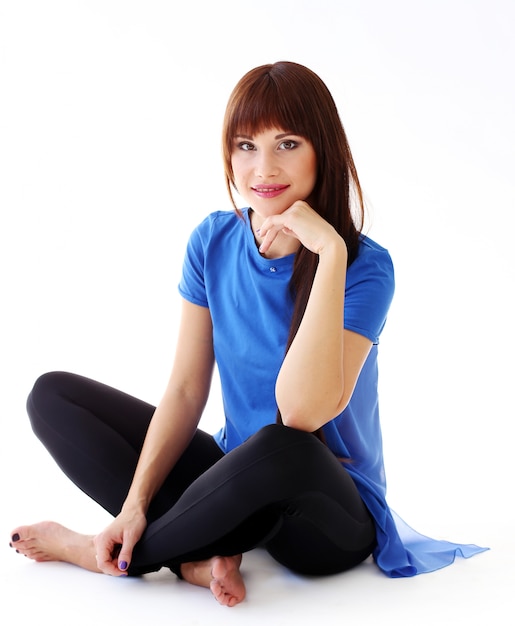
{"x": 250, "y": 305}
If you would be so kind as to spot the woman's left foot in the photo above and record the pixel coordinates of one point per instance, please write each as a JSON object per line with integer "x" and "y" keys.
{"x": 50, "y": 541}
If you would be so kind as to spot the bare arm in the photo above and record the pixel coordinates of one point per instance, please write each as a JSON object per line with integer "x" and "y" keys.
{"x": 171, "y": 429}
{"x": 320, "y": 370}
{"x": 177, "y": 415}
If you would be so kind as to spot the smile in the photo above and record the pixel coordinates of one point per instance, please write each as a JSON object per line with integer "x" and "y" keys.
{"x": 269, "y": 191}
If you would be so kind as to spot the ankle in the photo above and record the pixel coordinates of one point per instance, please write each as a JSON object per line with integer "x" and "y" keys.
{"x": 197, "y": 572}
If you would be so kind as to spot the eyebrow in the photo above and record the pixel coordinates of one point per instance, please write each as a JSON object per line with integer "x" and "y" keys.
{"x": 280, "y": 136}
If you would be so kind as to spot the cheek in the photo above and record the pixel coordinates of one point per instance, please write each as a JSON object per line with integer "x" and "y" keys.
{"x": 308, "y": 163}
{"x": 238, "y": 177}
{"x": 310, "y": 173}
{"x": 237, "y": 169}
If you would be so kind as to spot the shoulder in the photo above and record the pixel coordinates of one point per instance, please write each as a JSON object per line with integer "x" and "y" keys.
{"x": 370, "y": 250}
{"x": 215, "y": 232}
{"x": 372, "y": 260}
{"x": 210, "y": 248}
{"x": 219, "y": 221}
{"x": 369, "y": 289}
{"x": 216, "y": 238}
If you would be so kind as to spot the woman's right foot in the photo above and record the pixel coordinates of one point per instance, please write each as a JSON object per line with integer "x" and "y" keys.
{"x": 50, "y": 541}
{"x": 221, "y": 574}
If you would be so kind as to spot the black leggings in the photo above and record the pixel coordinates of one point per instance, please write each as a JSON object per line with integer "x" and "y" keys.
{"x": 282, "y": 489}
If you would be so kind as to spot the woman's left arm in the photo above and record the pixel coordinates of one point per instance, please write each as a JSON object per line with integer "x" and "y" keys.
{"x": 322, "y": 365}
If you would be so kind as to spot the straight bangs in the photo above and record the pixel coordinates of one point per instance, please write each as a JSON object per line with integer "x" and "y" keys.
{"x": 264, "y": 107}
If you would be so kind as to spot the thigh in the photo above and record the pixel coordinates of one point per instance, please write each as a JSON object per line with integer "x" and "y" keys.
{"x": 95, "y": 434}
{"x": 68, "y": 403}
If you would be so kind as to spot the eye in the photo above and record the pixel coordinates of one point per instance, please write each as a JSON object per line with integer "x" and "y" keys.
{"x": 288, "y": 144}
{"x": 246, "y": 146}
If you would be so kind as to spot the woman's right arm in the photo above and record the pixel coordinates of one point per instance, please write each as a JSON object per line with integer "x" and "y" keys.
{"x": 170, "y": 431}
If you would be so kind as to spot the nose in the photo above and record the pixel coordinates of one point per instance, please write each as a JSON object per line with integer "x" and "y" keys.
{"x": 266, "y": 165}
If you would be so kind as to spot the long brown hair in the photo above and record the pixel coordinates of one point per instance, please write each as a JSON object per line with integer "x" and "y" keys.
{"x": 293, "y": 98}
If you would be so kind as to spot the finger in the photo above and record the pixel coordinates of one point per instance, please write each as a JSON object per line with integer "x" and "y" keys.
{"x": 107, "y": 565}
{"x": 125, "y": 553}
{"x": 268, "y": 234}
{"x": 124, "y": 559}
{"x": 107, "y": 557}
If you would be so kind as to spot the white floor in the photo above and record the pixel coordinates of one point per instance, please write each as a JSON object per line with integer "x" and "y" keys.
{"x": 471, "y": 592}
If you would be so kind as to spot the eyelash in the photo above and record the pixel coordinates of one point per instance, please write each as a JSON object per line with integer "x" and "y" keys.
{"x": 293, "y": 144}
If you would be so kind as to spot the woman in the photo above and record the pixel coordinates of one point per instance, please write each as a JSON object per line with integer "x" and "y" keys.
{"x": 289, "y": 299}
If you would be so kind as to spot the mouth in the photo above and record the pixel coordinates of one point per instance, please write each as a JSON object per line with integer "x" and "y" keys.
{"x": 269, "y": 191}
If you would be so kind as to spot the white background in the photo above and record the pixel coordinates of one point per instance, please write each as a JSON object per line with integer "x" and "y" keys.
{"x": 110, "y": 120}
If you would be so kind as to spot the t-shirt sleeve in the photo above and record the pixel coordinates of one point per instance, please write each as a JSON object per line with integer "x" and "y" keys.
{"x": 192, "y": 285}
{"x": 369, "y": 291}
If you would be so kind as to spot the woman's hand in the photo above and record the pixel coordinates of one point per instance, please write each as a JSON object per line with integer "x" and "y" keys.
{"x": 303, "y": 223}
{"x": 115, "y": 544}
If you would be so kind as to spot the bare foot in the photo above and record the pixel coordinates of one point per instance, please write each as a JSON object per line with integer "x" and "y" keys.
{"x": 227, "y": 585}
{"x": 221, "y": 574}
{"x": 50, "y": 541}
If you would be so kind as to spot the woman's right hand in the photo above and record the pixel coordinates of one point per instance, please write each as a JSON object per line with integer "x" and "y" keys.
{"x": 114, "y": 545}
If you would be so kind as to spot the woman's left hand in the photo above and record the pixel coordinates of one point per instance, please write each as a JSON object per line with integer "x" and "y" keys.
{"x": 301, "y": 222}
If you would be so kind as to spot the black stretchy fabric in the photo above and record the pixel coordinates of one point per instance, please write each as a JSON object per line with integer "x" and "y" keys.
{"x": 282, "y": 489}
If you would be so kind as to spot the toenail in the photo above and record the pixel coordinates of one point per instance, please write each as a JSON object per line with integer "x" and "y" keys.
{"x": 15, "y": 537}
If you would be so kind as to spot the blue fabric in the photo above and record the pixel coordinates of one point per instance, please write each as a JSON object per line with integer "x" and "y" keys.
{"x": 251, "y": 308}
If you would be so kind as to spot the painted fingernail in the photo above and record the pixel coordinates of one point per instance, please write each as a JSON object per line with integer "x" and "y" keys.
{"x": 15, "y": 537}
{"x": 122, "y": 565}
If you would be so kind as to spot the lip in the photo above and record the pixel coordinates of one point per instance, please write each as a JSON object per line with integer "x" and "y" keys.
{"x": 269, "y": 191}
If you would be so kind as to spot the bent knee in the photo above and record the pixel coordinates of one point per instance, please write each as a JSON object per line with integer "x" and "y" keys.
{"x": 279, "y": 433}
{"x": 47, "y": 385}
{"x": 288, "y": 446}
{"x": 52, "y": 381}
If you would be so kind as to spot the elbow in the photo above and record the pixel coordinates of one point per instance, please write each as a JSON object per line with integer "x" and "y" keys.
{"x": 308, "y": 419}
{"x": 299, "y": 422}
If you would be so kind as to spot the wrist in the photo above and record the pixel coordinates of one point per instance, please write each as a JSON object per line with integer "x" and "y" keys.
{"x": 335, "y": 248}
{"x": 136, "y": 506}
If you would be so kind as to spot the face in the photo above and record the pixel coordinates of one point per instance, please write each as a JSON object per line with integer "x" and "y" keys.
{"x": 273, "y": 169}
